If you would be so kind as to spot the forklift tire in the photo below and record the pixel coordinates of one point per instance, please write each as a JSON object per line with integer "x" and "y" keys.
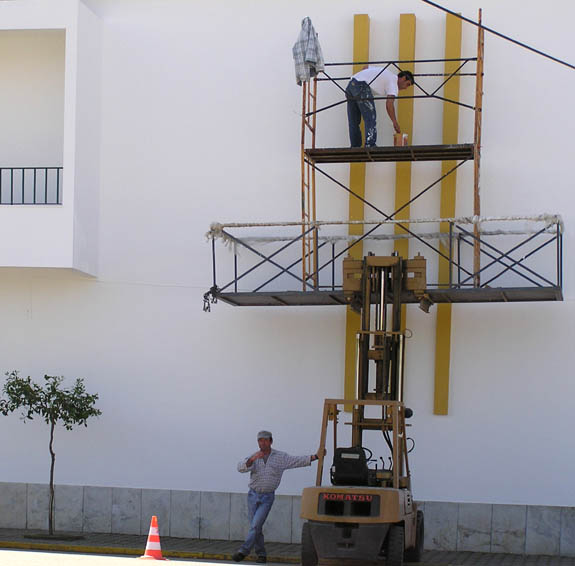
{"x": 395, "y": 546}
{"x": 308, "y": 552}
{"x": 415, "y": 554}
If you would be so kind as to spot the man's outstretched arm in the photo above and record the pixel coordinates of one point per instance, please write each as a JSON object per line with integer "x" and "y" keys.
{"x": 390, "y": 107}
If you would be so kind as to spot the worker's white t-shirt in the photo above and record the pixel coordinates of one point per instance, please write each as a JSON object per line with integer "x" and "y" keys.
{"x": 384, "y": 85}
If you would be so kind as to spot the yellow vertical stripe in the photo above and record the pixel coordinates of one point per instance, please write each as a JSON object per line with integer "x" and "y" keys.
{"x": 447, "y": 210}
{"x": 356, "y": 211}
{"x": 405, "y": 119}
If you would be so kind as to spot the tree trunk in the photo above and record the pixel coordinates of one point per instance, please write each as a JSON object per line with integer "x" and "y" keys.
{"x": 52, "y": 463}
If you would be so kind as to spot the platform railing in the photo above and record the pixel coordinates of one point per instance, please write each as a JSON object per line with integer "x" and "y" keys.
{"x": 515, "y": 252}
{"x": 425, "y": 93}
{"x": 30, "y": 185}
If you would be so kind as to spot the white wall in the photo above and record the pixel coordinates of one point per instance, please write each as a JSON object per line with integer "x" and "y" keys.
{"x": 32, "y": 98}
{"x": 199, "y": 117}
{"x": 37, "y": 14}
{"x": 87, "y": 141}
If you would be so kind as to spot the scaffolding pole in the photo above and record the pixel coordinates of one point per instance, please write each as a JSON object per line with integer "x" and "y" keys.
{"x": 308, "y": 203}
{"x": 477, "y": 151}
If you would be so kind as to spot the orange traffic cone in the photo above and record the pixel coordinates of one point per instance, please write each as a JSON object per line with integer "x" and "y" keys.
{"x": 153, "y": 548}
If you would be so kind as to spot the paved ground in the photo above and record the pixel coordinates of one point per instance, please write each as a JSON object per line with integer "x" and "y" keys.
{"x": 39, "y": 558}
{"x": 220, "y": 550}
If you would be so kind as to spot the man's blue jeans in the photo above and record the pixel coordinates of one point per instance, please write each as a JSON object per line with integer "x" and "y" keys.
{"x": 360, "y": 104}
{"x": 259, "y": 505}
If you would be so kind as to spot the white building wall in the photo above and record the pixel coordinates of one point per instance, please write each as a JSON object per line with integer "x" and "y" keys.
{"x": 32, "y": 109}
{"x": 200, "y": 122}
{"x": 87, "y": 141}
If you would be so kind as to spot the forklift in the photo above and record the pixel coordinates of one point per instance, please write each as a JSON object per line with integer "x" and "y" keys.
{"x": 367, "y": 514}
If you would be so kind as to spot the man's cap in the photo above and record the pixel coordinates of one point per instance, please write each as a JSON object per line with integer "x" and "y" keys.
{"x": 264, "y": 434}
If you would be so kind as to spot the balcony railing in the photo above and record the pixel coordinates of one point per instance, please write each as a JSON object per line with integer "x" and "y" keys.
{"x": 30, "y": 185}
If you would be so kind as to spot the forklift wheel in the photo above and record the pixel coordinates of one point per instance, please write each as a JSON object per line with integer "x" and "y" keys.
{"x": 308, "y": 553}
{"x": 416, "y": 553}
{"x": 395, "y": 546}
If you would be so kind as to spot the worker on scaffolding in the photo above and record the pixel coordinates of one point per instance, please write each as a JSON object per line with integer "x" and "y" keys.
{"x": 362, "y": 87}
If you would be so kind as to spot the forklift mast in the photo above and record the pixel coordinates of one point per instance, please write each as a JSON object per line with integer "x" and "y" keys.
{"x": 374, "y": 287}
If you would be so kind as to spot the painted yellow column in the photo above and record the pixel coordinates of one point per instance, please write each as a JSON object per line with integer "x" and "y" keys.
{"x": 405, "y": 119}
{"x": 447, "y": 210}
{"x": 356, "y": 210}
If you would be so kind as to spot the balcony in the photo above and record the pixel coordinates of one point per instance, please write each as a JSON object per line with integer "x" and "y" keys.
{"x": 49, "y": 140}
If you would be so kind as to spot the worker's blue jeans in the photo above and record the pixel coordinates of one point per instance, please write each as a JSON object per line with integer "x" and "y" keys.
{"x": 360, "y": 104}
{"x": 259, "y": 505}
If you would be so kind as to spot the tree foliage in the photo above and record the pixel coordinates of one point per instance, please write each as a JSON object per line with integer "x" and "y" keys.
{"x": 72, "y": 406}
{"x": 54, "y": 404}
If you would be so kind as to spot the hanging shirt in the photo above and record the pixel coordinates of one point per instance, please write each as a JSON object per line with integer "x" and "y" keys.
{"x": 382, "y": 82}
{"x": 265, "y": 476}
{"x": 307, "y": 54}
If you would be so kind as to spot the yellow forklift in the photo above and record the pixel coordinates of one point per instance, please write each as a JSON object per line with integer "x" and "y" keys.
{"x": 367, "y": 514}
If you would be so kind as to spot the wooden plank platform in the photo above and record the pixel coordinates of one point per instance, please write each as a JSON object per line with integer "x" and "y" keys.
{"x": 325, "y": 298}
{"x": 456, "y": 152}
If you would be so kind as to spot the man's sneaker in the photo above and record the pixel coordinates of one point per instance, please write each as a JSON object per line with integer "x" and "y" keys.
{"x": 261, "y": 560}
{"x": 238, "y": 556}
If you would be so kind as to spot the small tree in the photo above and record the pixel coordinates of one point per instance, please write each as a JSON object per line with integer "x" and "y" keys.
{"x": 53, "y": 403}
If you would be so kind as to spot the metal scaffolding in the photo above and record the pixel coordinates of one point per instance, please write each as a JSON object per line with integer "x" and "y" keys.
{"x": 313, "y": 156}
{"x": 462, "y": 243}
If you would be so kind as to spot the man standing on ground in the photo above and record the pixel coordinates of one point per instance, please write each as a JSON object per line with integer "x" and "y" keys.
{"x": 360, "y": 104}
{"x": 266, "y": 468}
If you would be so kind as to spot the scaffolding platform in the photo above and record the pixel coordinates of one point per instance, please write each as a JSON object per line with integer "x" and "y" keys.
{"x": 336, "y": 297}
{"x": 455, "y": 152}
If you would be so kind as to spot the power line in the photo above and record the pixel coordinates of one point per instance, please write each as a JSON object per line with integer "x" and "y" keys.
{"x": 524, "y": 45}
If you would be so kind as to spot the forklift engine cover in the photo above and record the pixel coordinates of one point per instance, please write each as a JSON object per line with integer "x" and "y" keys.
{"x": 350, "y": 467}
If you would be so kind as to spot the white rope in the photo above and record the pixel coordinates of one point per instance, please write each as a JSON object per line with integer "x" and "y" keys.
{"x": 424, "y": 235}
{"x": 217, "y": 229}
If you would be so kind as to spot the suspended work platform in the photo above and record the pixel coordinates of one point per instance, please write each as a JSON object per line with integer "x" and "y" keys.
{"x": 455, "y": 152}
{"x": 326, "y": 298}
{"x": 521, "y": 260}
{"x": 336, "y": 297}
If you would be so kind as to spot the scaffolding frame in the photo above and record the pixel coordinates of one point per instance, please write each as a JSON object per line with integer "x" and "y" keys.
{"x": 311, "y": 156}
{"x": 468, "y": 284}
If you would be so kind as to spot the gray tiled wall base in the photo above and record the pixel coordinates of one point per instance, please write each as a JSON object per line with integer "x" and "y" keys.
{"x": 516, "y": 529}
{"x": 186, "y": 514}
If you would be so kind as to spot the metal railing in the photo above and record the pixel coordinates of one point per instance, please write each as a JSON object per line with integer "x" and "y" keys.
{"x": 30, "y": 185}
{"x": 515, "y": 252}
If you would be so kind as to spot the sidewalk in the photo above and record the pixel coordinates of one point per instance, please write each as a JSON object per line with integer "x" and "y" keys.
{"x": 223, "y": 549}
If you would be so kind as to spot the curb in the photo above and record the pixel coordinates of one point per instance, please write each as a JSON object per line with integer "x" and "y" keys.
{"x": 132, "y": 551}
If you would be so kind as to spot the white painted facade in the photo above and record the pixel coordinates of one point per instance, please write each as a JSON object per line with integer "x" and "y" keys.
{"x": 178, "y": 113}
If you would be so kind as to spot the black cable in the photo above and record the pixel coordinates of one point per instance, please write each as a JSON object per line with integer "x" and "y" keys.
{"x": 477, "y": 24}
{"x": 389, "y": 445}
{"x": 388, "y": 440}
{"x": 412, "y": 446}
{"x": 365, "y": 449}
